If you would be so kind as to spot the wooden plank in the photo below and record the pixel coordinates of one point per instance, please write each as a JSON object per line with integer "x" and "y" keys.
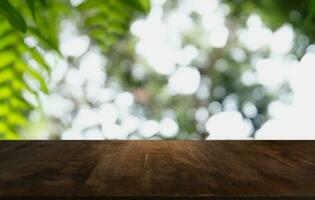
{"x": 157, "y": 169}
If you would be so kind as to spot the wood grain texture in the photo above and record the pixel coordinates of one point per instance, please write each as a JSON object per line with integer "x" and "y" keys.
{"x": 109, "y": 169}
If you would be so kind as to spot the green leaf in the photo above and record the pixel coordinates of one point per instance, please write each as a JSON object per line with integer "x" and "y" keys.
{"x": 46, "y": 41}
{"x": 31, "y": 5}
{"x": 140, "y": 5}
{"x": 13, "y": 15}
{"x": 14, "y": 67}
{"x": 108, "y": 22}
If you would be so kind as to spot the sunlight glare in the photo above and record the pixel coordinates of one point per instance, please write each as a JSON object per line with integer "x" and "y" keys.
{"x": 228, "y": 125}
{"x": 185, "y": 80}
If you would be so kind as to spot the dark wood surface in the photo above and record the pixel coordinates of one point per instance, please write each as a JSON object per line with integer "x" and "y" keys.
{"x": 209, "y": 169}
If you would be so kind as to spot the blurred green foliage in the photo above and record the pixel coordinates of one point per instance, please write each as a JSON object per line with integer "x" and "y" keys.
{"x": 104, "y": 21}
{"x": 222, "y": 72}
{"x": 275, "y": 13}
{"x": 107, "y": 23}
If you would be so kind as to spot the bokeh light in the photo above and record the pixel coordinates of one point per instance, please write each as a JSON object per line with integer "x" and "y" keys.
{"x": 186, "y": 71}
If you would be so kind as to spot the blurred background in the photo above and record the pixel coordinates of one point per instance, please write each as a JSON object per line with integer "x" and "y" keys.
{"x": 201, "y": 69}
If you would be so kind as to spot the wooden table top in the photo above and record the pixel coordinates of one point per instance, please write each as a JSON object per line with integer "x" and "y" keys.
{"x": 106, "y": 169}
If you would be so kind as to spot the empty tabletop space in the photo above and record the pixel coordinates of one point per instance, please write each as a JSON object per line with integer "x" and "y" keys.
{"x": 157, "y": 169}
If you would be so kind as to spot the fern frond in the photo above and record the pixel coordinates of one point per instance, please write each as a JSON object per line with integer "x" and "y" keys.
{"x": 14, "y": 55}
{"x": 107, "y": 21}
